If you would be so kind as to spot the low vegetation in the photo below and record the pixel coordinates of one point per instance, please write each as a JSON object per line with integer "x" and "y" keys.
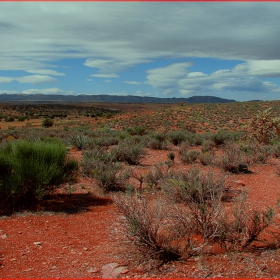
{"x": 170, "y": 212}
{"x": 29, "y": 170}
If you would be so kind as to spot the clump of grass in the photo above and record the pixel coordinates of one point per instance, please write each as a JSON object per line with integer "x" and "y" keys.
{"x": 186, "y": 155}
{"x": 79, "y": 141}
{"x": 176, "y": 137}
{"x": 129, "y": 152}
{"x": 157, "y": 141}
{"x": 28, "y": 170}
{"x": 234, "y": 159}
{"x": 104, "y": 168}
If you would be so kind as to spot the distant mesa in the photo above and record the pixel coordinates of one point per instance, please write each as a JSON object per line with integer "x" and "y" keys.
{"x": 109, "y": 98}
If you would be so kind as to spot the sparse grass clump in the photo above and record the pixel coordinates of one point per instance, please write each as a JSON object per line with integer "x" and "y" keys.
{"x": 79, "y": 141}
{"x": 234, "y": 159}
{"x": 157, "y": 141}
{"x": 104, "y": 168}
{"x": 129, "y": 152}
{"x": 186, "y": 155}
{"x": 176, "y": 137}
{"x": 191, "y": 206}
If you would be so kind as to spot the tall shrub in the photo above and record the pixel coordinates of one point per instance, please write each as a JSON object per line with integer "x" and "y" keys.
{"x": 32, "y": 168}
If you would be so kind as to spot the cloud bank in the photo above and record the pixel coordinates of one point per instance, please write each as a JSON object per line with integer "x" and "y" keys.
{"x": 158, "y": 41}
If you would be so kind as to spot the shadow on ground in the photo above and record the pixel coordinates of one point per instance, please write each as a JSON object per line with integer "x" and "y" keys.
{"x": 65, "y": 203}
{"x": 71, "y": 203}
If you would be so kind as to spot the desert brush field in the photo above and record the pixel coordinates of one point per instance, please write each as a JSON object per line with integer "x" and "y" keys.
{"x": 99, "y": 190}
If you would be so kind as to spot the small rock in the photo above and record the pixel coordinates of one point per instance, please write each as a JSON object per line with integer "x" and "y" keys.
{"x": 37, "y": 243}
{"x": 114, "y": 265}
{"x": 4, "y": 236}
{"x": 92, "y": 270}
{"x": 19, "y": 232}
{"x": 85, "y": 249}
{"x": 12, "y": 260}
{"x": 29, "y": 269}
{"x": 124, "y": 271}
{"x": 54, "y": 267}
{"x": 139, "y": 268}
{"x": 239, "y": 183}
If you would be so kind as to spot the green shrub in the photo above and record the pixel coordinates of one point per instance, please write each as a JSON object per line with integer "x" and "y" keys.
{"x": 129, "y": 152}
{"x": 47, "y": 122}
{"x": 264, "y": 127}
{"x": 171, "y": 156}
{"x": 145, "y": 221}
{"x": 102, "y": 166}
{"x": 9, "y": 119}
{"x": 207, "y": 146}
{"x": 34, "y": 168}
{"x": 207, "y": 158}
{"x": 176, "y": 137}
{"x": 21, "y": 119}
{"x": 223, "y": 136}
{"x": 78, "y": 141}
{"x": 106, "y": 141}
{"x": 186, "y": 155}
{"x": 277, "y": 150}
{"x": 136, "y": 130}
{"x": 234, "y": 159}
{"x": 157, "y": 141}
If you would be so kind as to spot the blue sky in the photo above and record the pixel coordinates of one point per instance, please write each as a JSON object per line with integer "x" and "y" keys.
{"x": 162, "y": 49}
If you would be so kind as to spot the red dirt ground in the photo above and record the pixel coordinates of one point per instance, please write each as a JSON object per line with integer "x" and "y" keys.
{"x": 77, "y": 233}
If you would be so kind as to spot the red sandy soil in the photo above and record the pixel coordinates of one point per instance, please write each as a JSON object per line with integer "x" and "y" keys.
{"x": 76, "y": 235}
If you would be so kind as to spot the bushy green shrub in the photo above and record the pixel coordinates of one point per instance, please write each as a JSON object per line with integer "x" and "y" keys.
{"x": 223, "y": 136}
{"x": 129, "y": 152}
{"x": 21, "y": 118}
{"x": 79, "y": 141}
{"x": 207, "y": 146}
{"x": 34, "y": 168}
{"x": 47, "y": 122}
{"x": 136, "y": 130}
{"x": 105, "y": 141}
{"x": 186, "y": 155}
{"x": 176, "y": 137}
{"x": 157, "y": 141}
{"x": 207, "y": 158}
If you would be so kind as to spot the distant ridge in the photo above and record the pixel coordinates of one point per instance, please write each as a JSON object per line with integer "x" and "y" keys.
{"x": 110, "y": 98}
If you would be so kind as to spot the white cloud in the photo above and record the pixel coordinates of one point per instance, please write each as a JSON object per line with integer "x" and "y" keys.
{"x": 132, "y": 82}
{"x": 46, "y": 72}
{"x": 36, "y": 79}
{"x": 111, "y": 75}
{"x": 196, "y": 75}
{"x": 104, "y": 34}
{"x": 33, "y": 79}
{"x": 43, "y": 91}
{"x": 111, "y": 37}
{"x": 167, "y": 78}
{"x": 9, "y": 91}
{"x": 6, "y": 80}
{"x": 238, "y": 81}
{"x": 270, "y": 68}
{"x": 107, "y": 81}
